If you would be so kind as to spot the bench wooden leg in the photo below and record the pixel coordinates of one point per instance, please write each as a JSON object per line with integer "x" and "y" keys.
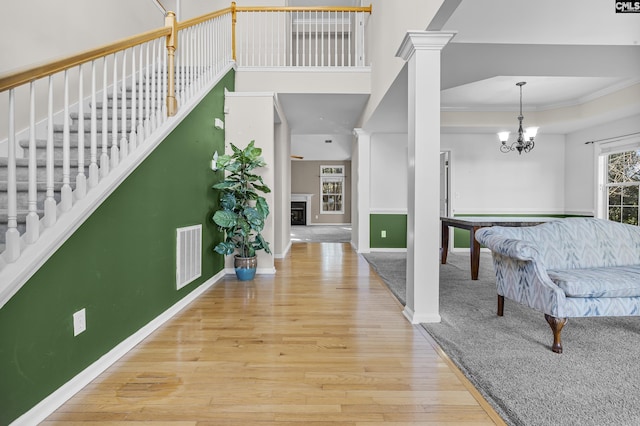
{"x": 500, "y": 305}
{"x": 556, "y": 325}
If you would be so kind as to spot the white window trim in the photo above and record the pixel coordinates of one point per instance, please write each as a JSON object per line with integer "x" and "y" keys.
{"x": 339, "y": 177}
{"x": 602, "y": 151}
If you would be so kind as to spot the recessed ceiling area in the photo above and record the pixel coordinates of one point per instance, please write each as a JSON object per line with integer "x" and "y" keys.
{"x": 501, "y": 93}
{"x": 569, "y": 54}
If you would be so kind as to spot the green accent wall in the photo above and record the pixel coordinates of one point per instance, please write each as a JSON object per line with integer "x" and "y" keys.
{"x": 461, "y": 237}
{"x": 395, "y": 227}
{"x": 119, "y": 265}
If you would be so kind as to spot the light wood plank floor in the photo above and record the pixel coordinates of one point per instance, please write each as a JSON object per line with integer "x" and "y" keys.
{"x": 321, "y": 342}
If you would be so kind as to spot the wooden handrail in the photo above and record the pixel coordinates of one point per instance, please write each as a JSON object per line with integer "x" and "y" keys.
{"x": 200, "y": 19}
{"x": 22, "y": 76}
{"x": 303, "y": 9}
{"x": 16, "y": 78}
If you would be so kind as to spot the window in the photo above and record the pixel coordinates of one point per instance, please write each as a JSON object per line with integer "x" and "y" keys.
{"x": 622, "y": 186}
{"x": 332, "y": 189}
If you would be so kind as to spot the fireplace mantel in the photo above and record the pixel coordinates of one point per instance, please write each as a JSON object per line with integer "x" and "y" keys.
{"x": 306, "y": 198}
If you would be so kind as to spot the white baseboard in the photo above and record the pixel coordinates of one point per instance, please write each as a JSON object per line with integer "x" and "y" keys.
{"x": 283, "y": 254}
{"x": 51, "y": 403}
{"x": 388, "y": 250}
{"x": 419, "y": 318}
{"x": 328, "y": 224}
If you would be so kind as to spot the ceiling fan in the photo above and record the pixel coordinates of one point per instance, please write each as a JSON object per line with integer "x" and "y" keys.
{"x": 297, "y": 157}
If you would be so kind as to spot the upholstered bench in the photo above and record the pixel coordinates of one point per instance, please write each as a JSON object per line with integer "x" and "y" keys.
{"x": 574, "y": 267}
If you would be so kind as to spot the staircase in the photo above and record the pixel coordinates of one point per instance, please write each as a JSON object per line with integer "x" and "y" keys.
{"x": 22, "y": 164}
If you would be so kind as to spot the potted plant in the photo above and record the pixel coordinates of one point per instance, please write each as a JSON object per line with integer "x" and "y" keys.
{"x": 243, "y": 210}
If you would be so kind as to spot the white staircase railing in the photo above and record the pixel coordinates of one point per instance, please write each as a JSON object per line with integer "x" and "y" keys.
{"x": 110, "y": 101}
{"x": 301, "y": 37}
{"x": 82, "y": 116}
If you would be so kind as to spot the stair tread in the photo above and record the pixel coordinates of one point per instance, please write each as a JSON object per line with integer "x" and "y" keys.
{"x": 22, "y": 186}
{"x": 24, "y": 162}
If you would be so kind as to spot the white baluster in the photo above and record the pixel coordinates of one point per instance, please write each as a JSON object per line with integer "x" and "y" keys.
{"x": 33, "y": 221}
{"x": 335, "y": 49}
{"x": 66, "y": 195}
{"x": 165, "y": 85}
{"x": 104, "y": 156}
{"x": 196, "y": 59}
{"x": 124, "y": 145}
{"x": 291, "y": 43}
{"x": 12, "y": 236}
{"x": 81, "y": 179}
{"x": 189, "y": 64}
{"x": 304, "y": 43}
{"x": 273, "y": 36}
{"x": 133, "y": 143}
{"x": 93, "y": 163}
{"x": 115, "y": 152}
{"x": 210, "y": 48}
{"x": 202, "y": 55}
{"x": 140, "y": 136}
{"x": 50, "y": 209}
{"x": 147, "y": 105}
{"x": 159, "y": 83}
{"x": 323, "y": 39}
{"x": 317, "y": 36}
{"x": 152, "y": 102}
{"x": 349, "y": 38}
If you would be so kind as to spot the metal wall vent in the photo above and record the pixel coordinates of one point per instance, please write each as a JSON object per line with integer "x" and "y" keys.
{"x": 188, "y": 255}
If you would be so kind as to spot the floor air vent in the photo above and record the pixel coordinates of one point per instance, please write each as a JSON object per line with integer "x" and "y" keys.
{"x": 188, "y": 255}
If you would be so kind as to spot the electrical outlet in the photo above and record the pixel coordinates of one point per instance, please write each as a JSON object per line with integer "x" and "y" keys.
{"x": 383, "y": 234}
{"x": 79, "y": 322}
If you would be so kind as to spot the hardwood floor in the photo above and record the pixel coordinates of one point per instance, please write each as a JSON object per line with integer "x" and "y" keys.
{"x": 321, "y": 342}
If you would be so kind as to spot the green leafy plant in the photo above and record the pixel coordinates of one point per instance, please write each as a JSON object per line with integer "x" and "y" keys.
{"x": 243, "y": 210}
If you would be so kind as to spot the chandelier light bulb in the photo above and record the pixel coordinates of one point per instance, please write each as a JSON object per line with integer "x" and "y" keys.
{"x": 530, "y": 132}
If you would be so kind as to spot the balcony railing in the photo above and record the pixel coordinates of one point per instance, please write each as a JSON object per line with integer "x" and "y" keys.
{"x": 301, "y": 37}
{"x": 70, "y": 123}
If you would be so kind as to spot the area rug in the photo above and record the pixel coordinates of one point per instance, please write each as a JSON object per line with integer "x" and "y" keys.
{"x": 596, "y": 381}
{"x": 320, "y": 234}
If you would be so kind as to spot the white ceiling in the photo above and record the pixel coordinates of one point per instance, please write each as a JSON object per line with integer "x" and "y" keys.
{"x": 568, "y": 52}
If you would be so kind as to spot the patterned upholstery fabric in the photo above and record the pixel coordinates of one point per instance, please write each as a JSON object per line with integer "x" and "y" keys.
{"x": 570, "y": 267}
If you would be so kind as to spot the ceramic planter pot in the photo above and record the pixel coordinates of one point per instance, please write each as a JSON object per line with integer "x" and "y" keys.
{"x": 245, "y": 267}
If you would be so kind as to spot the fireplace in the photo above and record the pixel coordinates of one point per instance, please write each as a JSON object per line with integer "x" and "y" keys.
{"x": 298, "y": 213}
{"x": 301, "y": 209}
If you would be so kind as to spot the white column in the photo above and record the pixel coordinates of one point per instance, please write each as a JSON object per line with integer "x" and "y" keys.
{"x": 362, "y": 176}
{"x": 421, "y": 50}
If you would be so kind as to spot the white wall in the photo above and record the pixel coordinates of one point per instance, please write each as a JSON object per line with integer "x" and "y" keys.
{"x": 250, "y": 117}
{"x": 386, "y": 28}
{"x": 38, "y": 30}
{"x": 580, "y": 169}
{"x": 484, "y": 180}
{"x": 282, "y": 188}
{"x": 389, "y": 173}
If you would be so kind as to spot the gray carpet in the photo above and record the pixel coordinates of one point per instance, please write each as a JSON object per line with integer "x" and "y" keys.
{"x": 596, "y": 381}
{"x": 320, "y": 234}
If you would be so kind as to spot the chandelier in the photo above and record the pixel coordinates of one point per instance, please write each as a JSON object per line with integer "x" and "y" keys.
{"x": 525, "y": 137}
